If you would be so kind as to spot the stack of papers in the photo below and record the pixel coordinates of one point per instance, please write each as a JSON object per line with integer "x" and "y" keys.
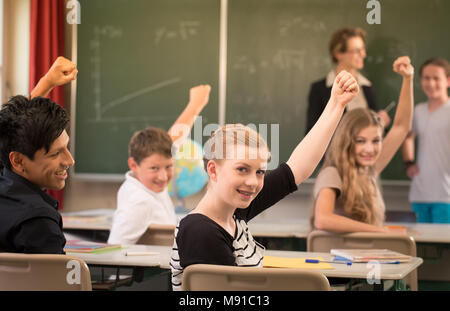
{"x": 74, "y": 246}
{"x": 366, "y": 255}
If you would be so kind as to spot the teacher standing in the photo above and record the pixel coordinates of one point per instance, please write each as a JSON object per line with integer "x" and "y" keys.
{"x": 348, "y": 50}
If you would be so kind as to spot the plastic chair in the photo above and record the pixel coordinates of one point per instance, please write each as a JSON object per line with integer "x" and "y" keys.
{"x": 158, "y": 235}
{"x": 322, "y": 241}
{"x": 43, "y": 272}
{"x": 202, "y": 277}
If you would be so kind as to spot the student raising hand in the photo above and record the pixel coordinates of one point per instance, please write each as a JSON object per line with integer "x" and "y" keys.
{"x": 308, "y": 153}
{"x": 199, "y": 96}
{"x": 403, "y": 67}
{"x": 344, "y": 88}
{"x": 61, "y": 72}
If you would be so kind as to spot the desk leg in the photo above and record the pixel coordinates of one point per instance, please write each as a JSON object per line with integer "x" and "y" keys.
{"x": 399, "y": 285}
{"x": 378, "y": 286}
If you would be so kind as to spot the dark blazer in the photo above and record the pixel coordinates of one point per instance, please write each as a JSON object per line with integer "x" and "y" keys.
{"x": 318, "y": 97}
{"x": 29, "y": 218}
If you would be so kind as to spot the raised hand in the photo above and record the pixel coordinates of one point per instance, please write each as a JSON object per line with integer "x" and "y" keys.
{"x": 199, "y": 95}
{"x": 61, "y": 72}
{"x": 403, "y": 67}
{"x": 344, "y": 88}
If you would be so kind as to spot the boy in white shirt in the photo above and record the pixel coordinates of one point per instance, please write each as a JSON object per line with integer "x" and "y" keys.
{"x": 143, "y": 198}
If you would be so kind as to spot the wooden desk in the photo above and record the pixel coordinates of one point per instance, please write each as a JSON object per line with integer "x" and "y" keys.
{"x": 117, "y": 258}
{"x": 101, "y": 219}
{"x": 141, "y": 267}
{"x": 161, "y": 262}
{"x": 96, "y": 219}
{"x": 395, "y": 272}
{"x": 298, "y": 228}
{"x": 427, "y": 233}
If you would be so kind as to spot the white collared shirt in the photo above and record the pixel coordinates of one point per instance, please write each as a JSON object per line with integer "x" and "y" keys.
{"x": 137, "y": 208}
{"x": 360, "y": 100}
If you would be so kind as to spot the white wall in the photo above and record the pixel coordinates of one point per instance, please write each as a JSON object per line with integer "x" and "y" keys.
{"x": 17, "y": 46}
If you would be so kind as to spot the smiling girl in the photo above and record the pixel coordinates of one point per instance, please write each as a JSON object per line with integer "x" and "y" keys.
{"x": 346, "y": 192}
{"x": 236, "y": 157}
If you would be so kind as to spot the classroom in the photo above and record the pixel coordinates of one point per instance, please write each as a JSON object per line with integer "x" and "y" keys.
{"x": 182, "y": 70}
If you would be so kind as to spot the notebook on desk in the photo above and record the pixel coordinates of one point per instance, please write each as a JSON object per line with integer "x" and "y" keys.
{"x": 75, "y": 246}
{"x": 366, "y": 255}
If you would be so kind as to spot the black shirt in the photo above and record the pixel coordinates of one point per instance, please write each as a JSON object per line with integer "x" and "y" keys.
{"x": 29, "y": 218}
{"x": 199, "y": 239}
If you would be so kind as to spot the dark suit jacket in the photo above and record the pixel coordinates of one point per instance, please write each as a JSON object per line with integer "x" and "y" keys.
{"x": 29, "y": 218}
{"x": 319, "y": 95}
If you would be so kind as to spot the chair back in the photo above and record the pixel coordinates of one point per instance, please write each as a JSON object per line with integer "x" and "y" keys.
{"x": 43, "y": 272}
{"x": 202, "y": 277}
{"x": 157, "y": 234}
{"x": 322, "y": 241}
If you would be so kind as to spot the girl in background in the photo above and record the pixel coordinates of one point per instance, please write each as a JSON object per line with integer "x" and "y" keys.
{"x": 347, "y": 197}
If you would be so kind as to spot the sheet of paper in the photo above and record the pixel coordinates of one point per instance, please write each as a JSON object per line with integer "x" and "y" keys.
{"x": 284, "y": 262}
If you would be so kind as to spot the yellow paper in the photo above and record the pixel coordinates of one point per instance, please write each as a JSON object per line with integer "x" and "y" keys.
{"x": 283, "y": 262}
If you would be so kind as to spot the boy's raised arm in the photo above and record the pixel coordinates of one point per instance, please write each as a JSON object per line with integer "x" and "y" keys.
{"x": 198, "y": 98}
{"x": 61, "y": 72}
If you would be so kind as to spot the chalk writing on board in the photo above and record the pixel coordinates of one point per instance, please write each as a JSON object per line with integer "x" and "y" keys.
{"x": 95, "y": 60}
{"x": 289, "y": 25}
{"x": 184, "y": 31}
{"x": 286, "y": 59}
{"x": 101, "y": 108}
{"x": 375, "y": 59}
{"x": 282, "y": 59}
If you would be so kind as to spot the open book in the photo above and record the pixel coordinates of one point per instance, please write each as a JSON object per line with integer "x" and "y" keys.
{"x": 366, "y": 255}
{"x": 74, "y": 246}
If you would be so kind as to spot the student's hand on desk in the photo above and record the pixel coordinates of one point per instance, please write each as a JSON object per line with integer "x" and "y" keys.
{"x": 199, "y": 95}
{"x": 403, "y": 67}
{"x": 61, "y": 72}
{"x": 344, "y": 88}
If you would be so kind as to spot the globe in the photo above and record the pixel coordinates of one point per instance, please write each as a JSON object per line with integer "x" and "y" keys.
{"x": 189, "y": 176}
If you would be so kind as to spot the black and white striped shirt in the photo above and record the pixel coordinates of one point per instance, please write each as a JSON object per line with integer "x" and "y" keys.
{"x": 200, "y": 240}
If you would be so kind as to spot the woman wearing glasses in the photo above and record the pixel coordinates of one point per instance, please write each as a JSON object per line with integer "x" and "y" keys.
{"x": 347, "y": 48}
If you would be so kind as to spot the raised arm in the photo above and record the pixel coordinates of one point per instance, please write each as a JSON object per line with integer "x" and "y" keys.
{"x": 198, "y": 98}
{"x": 61, "y": 72}
{"x": 306, "y": 156}
{"x": 408, "y": 155}
{"x": 403, "y": 116}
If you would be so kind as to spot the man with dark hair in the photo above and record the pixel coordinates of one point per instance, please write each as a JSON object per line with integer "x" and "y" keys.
{"x": 34, "y": 156}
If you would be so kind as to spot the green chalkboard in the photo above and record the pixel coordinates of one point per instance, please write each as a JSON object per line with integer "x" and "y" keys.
{"x": 137, "y": 61}
{"x": 276, "y": 49}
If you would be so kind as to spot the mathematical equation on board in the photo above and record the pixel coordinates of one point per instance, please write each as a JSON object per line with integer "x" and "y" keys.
{"x": 184, "y": 31}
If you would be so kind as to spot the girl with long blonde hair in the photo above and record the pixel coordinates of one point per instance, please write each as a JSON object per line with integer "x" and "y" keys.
{"x": 347, "y": 195}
